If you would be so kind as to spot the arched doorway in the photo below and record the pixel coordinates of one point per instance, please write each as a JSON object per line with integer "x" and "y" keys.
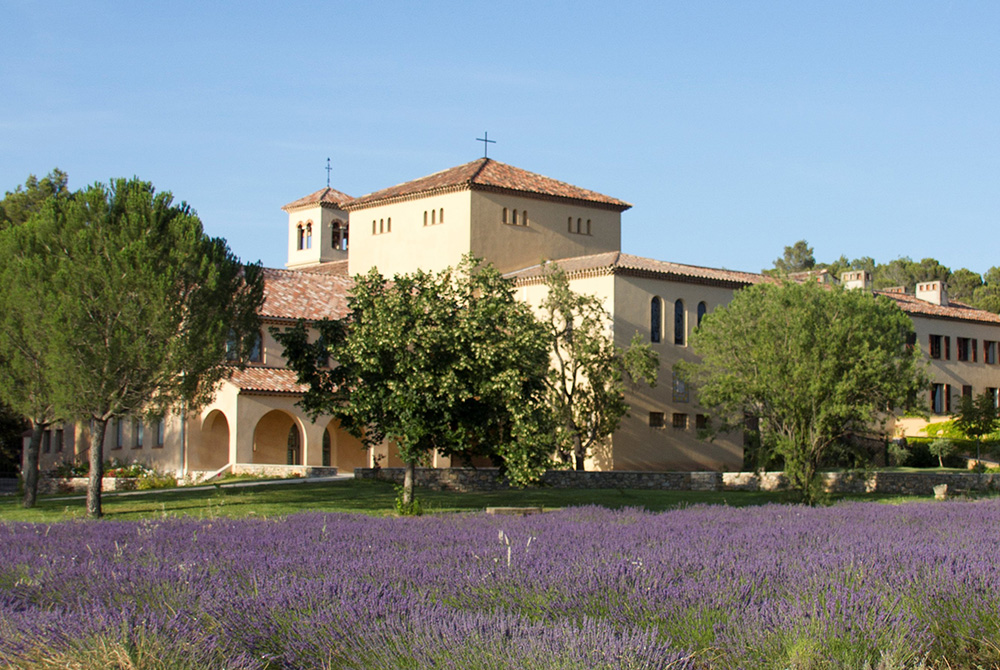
{"x": 212, "y": 451}
{"x": 277, "y": 439}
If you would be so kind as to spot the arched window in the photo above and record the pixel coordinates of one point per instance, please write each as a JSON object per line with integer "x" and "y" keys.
{"x": 300, "y": 238}
{"x": 326, "y": 449}
{"x": 504, "y": 219}
{"x": 524, "y": 218}
{"x": 441, "y": 215}
{"x": 578, "y": 223}
{"x": 569, "y": 225}
{"x": 338, "y": 236}
{"x": 388, "y": 225}
{"x": 294, "y": 445}
{"x": 309, "y": 235}
{"x": 588, "y": 226}
{"x": 679, "y": 322}
{"x": 702, "y": 309}
{"x": 374, "y": 226}
{"x": 655, "y": 319}
{"x": 433, "y": 216}
{"x": 514, "y": 217}
{"x": 381, "y": 225}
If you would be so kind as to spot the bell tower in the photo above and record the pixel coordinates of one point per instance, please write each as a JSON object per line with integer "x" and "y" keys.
{"x": 317, "y": 228}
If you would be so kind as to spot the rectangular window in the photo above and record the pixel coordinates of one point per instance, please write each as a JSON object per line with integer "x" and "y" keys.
{"x": 119, "y": 433}
{"x": 701, "y": 421}
{"x": 964, "y": 348}
{"x": 975, "y": 350}
{"x": 59, "y": 440}
{"x": 940, "y": 398}
{"x": 656, "y": 419}
{"x": 680, "y": 421}
{"x": 680, "y": 390}
{"x": 137, "y": 432}
{"x": 46, "y": 441}
{"x": 947, "y": 348}
{"x": 935, "y": 346}
{"x": 989, "y": 352}
{"x": 993, "y": 393}
{"x": 160, "y": 432}
{"x": 966, "y": 391}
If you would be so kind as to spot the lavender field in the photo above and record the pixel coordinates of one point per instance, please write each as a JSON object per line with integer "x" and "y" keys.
{"x": 851, "y": 586}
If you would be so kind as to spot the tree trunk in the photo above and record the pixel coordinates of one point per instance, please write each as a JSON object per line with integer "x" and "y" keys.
{"x": 408, "y": 483}
{"x": 31, "y": 466}
{"x": 578, "y": 453}
{"x": 96, "y": 469}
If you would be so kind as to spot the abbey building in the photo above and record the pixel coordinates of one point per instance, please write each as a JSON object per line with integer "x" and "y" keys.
{"x": 515, "y": 219}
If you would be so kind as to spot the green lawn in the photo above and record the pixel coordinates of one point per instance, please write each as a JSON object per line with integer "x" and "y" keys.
{"x": 367, "y": 497}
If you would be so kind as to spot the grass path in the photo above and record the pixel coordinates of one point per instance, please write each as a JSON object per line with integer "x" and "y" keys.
{"x": 367, "y": 497}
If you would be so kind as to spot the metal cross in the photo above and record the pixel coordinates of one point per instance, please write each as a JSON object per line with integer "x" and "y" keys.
{"x": 328, "y": 169}
{"x": 485, "y": 139}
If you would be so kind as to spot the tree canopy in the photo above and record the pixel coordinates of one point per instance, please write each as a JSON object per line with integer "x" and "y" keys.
{"x": 135, "y": 305}
{"x": 446, "y": 361}
{"x": 813, "y": 364}
{"x": 587, "y": 378}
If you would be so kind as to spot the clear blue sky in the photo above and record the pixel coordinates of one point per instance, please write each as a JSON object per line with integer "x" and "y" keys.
{"x": 735, "y": 128}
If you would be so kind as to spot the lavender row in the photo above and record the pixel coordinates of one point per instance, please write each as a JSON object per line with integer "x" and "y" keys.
{"x": 772, "y": 586}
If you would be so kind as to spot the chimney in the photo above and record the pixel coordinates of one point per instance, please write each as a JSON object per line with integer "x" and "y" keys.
{"x": 934, "y": 292}
{"x": 855, "y": 279}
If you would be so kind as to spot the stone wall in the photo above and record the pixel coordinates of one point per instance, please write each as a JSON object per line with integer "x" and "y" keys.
{"x": 485, "y": 479}
{"x": 263, "y": 470}
{"x": 49, "y": 486}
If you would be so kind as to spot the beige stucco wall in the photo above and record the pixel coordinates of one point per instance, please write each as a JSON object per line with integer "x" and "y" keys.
{"x": 411, "y": 245}
{"x": 979, "y": 374}
{"x": 545, "y": 237}
{"x": 637, "y": 445}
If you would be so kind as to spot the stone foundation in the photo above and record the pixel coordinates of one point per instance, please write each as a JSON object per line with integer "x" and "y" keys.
{"x": 485, "y": 479}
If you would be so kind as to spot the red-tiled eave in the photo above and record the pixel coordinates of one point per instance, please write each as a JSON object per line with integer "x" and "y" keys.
{"x": 267, "y": 380}
{"x": 615, "y": 262}
{"x": 328, "y": 197}
{"x": 954, "y": 310}
{"x": 293, "y": 294}
{"x": 486, "y": 174}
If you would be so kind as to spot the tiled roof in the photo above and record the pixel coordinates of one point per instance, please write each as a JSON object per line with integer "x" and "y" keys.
{"x": 615, "y": 262}
{"x": 267, "y": 380}
{"x": 954, "y": 310}
{"x": 489, "y": 175}
{"x": 324, "y": 196}
{"x": 293, "y": 294}
{"x": 337, "y": 268}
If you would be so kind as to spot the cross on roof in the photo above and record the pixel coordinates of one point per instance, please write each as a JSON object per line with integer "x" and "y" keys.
{"x": 485, "y": 139}
{"x": 328, "y": 169}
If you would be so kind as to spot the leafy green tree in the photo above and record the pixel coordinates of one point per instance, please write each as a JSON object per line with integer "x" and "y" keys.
{"x": 797, "y": 258}
{"x": 137, "y": 304}
{"x": 941, "y": 448}
{"x": 25, "y": 268}
{"x": 813, "y": 364}
{"x": 842, "y": 265}
{"x": 447, "y": 361}
{"x": 987, "y": 296}
{"x": 19, "y": 205}
{"x": 977, "y": 417}
{"x": 588, "y": 374}
{"x": 906, "y": 272}
{"x": 962, "y": 285}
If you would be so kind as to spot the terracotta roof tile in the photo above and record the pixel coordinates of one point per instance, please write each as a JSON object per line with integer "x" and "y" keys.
{"x": 336, "y": 268}
{"x": 324, "y": 196}
{"x": 267, "y": 380}
{"x": 293, "y": 294}
{"x": 488, "y": 174}
{"x": 954, "y": 310}
{"x": 614, "y": 262}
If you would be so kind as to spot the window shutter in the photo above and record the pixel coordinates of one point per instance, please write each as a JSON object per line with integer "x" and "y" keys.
{"x": 975, "y": 351}
{"x": 947, "y": 347}
{"x": 947, "y": 398}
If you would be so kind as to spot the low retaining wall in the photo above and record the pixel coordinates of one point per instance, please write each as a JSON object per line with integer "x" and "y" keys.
{"x": 485, "y": 479}
{"x": 48, "y": 486}
{"x": 262, "y": 470}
